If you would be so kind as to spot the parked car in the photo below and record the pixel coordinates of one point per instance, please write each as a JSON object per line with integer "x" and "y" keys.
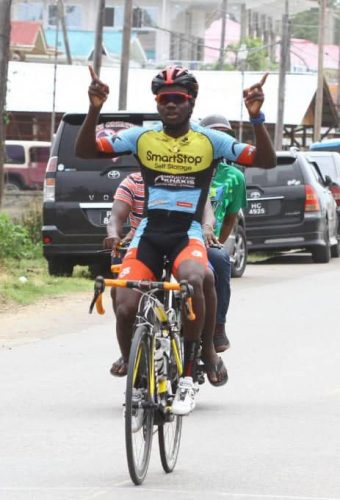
{"x": 78, "y": 197}
{"x": 25, "y": 164}
{"x": 291, "y": 207}
{"x": 329, "y": 164}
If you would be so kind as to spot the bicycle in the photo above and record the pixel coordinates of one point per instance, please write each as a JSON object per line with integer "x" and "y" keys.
{"x": 154, "y": 368}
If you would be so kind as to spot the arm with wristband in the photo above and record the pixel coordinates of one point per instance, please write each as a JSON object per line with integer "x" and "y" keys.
{"x": 265, "y": 156}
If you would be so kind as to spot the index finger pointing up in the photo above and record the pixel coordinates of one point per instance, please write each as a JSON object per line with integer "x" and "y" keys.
{"x": 263, "y": 79}
{"x": 260, "y": 83}
{"x": 93, "y": 74}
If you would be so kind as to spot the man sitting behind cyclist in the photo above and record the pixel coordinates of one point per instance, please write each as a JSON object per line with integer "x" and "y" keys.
{"x": 228, "y": 195}
{"x": 177, "y": 162}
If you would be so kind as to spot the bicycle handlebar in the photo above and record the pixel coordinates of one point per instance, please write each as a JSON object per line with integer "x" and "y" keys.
{"x": 186, "y": 290}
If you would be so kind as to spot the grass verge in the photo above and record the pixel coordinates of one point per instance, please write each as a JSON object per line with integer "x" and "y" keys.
{"x": 26, "y": 281}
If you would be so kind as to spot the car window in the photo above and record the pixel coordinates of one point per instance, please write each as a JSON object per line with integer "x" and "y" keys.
{"x": 283, "y": 175}
{"x": 326, "y": 164}
{"x": 67, "y": 160}
{"x": 15, "y": 154}
{"x": 39, "y": 154}
{"x": 316, "y": 174}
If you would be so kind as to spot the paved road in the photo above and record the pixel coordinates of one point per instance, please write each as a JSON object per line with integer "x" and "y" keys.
{"x": 271, "y": 433}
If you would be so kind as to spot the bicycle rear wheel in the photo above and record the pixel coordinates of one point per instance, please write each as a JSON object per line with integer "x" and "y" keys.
{"x": 169, "y": 432}
{"x": 139, "y": 411}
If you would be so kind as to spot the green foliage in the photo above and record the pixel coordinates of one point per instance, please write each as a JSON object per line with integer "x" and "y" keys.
{"x": 32, "y": 221}
{"x": 306, "y": 25}
{"x": 257, "y": 59}
{"x": 15, "y": 241}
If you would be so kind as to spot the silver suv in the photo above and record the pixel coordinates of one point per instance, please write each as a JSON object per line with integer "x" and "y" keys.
{"x": 291, "y": 207}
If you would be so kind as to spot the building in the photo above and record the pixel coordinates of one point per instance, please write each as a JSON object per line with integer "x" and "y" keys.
{"x": 168, "y": 30}
{"x": 220, "y": 92}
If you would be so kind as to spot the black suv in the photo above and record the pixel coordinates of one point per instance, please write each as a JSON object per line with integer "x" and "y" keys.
{"x": 291, "y": 207}
{"x": 78, "y": 197}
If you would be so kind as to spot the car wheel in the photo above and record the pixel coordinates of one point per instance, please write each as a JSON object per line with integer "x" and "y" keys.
{"x": 58, "y": 266}
{"x": 240, "y": 253}
{"x": 13, "y": 185}
{"x": 322, "y": 254}
{"x": 335, "y": 250}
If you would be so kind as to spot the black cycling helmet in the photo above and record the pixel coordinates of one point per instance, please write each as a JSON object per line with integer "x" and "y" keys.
{"x": 217, "y": 122}
{"x": 175, "y": 75}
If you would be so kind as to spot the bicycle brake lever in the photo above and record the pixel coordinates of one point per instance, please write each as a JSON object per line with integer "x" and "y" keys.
{"x": 99, "y": 287}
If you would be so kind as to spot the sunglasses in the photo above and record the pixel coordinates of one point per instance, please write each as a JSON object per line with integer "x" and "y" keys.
{"x": 174, "y": 97}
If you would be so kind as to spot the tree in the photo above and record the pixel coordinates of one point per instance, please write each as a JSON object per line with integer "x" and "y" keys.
{"x": 5, "y": 30}
{"x": 305, "y": 24}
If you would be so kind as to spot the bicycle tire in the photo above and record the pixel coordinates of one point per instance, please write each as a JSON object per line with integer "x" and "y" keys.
{"x": 139, "y": 411}
{"x": 169, "y": 432}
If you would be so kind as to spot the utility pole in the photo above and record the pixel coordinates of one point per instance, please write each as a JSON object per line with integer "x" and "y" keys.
{"x": 284, "y": 58}
{"x": 224, "y": 8}
{"x": 125, "y": 57}
{"x": 98, "y": 46}
{"x": 63, "y": 27}
{"x": 5, "y": 31}
{"x": 319, "y": 91}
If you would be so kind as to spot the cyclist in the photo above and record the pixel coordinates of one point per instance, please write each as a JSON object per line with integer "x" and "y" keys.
{"x": 129, "y": 204}
{"x": 228, "y": 196}
{"x": 177, "y": 161}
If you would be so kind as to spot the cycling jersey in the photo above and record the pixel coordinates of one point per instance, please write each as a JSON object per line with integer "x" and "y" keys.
{"x": 177, "y": 171}
{"x": 177, "y": 174}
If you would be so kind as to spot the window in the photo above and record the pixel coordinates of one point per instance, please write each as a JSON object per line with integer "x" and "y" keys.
{"x": 283, "y": 175}
{"x": 30, "y": 11}
{"x": 72, "y": 15}
{"x": 326, "y": 165}
{"x": 109, "y": 17}
{"x": 14, "y": 154}
{"x": 39, "y": 154}
{"x": 146, "y": 17}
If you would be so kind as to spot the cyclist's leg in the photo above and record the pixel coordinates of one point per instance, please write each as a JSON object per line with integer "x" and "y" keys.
{"x": 191, "y": 264}
{"x": 126, "y": 300}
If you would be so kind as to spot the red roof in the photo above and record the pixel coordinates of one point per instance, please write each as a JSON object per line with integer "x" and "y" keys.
{"x": 25, "y": 32}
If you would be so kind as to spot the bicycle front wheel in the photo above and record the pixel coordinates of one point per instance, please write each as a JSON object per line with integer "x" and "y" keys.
{"x": 139, "y": 410}
{"x": 169, "y": 433}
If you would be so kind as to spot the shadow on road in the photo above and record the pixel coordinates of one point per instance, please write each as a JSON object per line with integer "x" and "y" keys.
{"x": 285, "y": 258}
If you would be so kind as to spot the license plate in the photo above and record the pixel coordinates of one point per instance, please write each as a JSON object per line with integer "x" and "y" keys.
{"x": 105, "y": 217}
{"x": 256, "y": 208}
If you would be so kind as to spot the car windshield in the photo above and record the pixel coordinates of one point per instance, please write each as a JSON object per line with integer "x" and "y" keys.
{"x": 285, "y": 174}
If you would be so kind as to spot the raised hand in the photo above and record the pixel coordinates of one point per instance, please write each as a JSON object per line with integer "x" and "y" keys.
{"x": 98, "y": 91}
{"x": 254, "y": 97}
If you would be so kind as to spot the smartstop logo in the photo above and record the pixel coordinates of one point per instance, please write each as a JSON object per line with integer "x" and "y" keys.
{"x": 179, "y": 158}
